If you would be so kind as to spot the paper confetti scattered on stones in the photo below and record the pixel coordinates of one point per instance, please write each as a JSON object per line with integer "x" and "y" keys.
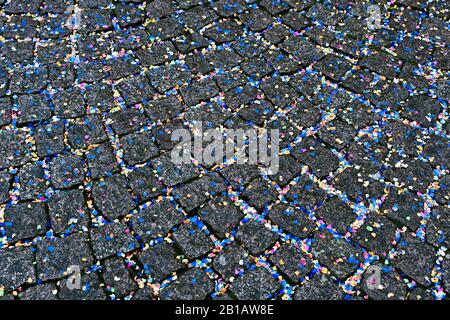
{"x": 91, "y": 91}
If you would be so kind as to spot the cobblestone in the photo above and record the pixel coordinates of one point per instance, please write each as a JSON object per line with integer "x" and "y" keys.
{"x": 86, "y": 175}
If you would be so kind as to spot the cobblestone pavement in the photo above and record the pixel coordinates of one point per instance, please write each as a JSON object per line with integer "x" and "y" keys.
{"x": 358, "y": 210}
